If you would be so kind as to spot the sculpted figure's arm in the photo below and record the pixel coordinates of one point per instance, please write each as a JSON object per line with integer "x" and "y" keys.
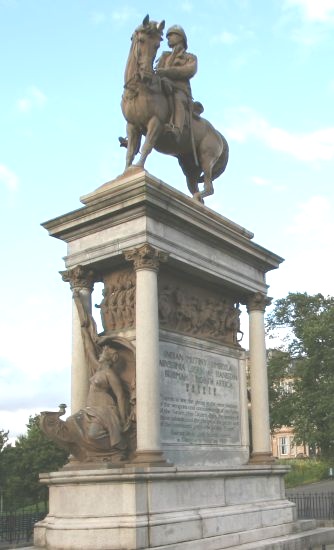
{"x": 182, "y": 72}
{"x": 88, "y": 331}
{"x": 178, "y": 71}
{"x": 116, "y": 387}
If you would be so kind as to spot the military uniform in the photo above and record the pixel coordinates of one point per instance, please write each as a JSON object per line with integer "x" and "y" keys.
{"x": 179, "y": 67}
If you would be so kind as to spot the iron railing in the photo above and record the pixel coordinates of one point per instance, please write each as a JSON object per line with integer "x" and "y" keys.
{"x": 313, "y": 505}
{"x": 18, "y": 527}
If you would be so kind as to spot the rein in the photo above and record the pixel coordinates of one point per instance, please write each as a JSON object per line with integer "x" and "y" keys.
{"x": 134, "y": 57}
{"x": 134, "y": 54}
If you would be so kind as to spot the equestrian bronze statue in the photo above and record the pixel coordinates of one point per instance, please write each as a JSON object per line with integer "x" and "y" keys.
{"x": 157, "y": 103}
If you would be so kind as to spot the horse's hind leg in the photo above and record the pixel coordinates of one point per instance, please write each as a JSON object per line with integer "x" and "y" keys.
{"x": 207, "y": 162}
{"x": 191, "y": 171}
{"x": 192, "y": 184}
{"x": 192, "y": 180}
{"x": 208, "y": 185}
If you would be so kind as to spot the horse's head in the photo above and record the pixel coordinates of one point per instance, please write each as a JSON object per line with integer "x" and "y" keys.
{"x": 146, "y": 41}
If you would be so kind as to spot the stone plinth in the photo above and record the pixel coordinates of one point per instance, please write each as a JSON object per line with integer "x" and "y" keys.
{"x": 185, "y": 316}
{"x": 165, "y": 508}
{"x": 174, "y": 274}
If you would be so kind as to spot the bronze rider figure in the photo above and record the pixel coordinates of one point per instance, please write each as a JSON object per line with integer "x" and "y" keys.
{"x": 178, "y": 66}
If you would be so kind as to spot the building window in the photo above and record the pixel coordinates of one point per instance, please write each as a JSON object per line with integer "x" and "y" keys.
{"x": 284, "y": 445}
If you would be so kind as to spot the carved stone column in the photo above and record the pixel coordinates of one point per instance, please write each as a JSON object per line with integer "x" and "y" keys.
{"x": 259, "y": 379}
{"x": 81, "y": 280}
{"x": 146, "y": 260}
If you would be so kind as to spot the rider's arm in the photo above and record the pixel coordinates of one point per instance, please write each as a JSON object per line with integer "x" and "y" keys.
{"x": 183, "y": 72}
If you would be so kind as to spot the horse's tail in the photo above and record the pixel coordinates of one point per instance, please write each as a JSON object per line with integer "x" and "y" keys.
{"x": 221, "y": 162}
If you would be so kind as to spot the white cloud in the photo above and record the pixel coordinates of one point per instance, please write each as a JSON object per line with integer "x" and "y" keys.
{"x": 314, "y": 220}
{"x": 187, "y": 7}
{"x": 8, "y": 178}
{"x": 243, "y": 123}
{"x": 308, "y": 239}
{"x": 260, "y": 181}
{"x": 33, "y": 98}
{"x": 314, "y": 10}
{"x": 263, "y": 182}
{"x": 315, "y": 20}
{"x": 46, "y": 326}
{"x": 225, "y": 37}
{"x": 35, "y": 358}
{"x": 98, "y": 17}
{"x": 124, "y": 14}
{"x": 308, "y": 35}
{"x": 317, "y": 145}
{"x": 16, "y": 421}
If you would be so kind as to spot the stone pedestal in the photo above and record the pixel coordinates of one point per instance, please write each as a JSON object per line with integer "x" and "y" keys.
{"x": 179, "y": 271}
{"x": 165, "y": 508}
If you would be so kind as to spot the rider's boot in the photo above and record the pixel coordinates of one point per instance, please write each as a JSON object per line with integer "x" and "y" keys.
{"x": 174, "y": 131}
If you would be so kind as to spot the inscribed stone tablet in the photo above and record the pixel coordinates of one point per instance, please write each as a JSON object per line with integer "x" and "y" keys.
{"x": 199, "y": 396}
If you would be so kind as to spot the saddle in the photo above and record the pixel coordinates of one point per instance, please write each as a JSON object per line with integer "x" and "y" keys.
{"x": 195, "y": 107}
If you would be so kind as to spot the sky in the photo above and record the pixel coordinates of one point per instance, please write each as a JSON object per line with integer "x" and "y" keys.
{"x": 266, "y": 80}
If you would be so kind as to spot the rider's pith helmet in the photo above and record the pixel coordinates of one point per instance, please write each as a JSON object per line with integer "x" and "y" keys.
{"x": 176, "y": 29}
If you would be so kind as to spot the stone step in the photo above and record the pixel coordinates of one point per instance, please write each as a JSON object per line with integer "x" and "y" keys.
{"x": 306, "y": 536}
{"x": 300, "y": 535}
{"x": 310, "y": 539}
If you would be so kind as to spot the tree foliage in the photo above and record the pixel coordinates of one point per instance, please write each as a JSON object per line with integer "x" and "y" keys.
{"x": 3, "y": 438}
{"x": 306, "y": 362}
{"x": 281, "y": 399}
{"x": 20, "y": 465}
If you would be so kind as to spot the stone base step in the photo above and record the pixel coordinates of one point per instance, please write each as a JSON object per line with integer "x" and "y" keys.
{"x": 311, "y": 539}
{"x": 301, "y": 535}
{"x": 306, "y": 536}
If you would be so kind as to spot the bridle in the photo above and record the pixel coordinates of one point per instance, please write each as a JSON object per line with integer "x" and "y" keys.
{"x": 136, "y": 54}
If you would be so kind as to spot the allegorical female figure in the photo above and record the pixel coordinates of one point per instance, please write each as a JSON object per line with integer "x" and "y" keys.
{"x": 100, "y": 430}
{"x": 101, "y": 423}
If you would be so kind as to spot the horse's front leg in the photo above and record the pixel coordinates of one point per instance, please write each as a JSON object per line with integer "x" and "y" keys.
{"x": 154, "y": 128}
{"x": 134, "y": 137}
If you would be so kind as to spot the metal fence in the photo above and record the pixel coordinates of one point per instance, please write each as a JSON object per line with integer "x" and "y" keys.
{"x": 18, "y": 527}
{"x": 313, "y": 505}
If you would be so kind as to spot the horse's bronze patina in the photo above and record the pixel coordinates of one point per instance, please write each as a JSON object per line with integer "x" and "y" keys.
{"x": 201, "y": 150}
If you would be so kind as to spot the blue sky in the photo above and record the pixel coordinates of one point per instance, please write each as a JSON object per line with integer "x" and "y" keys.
{"x": 266, "y": 80}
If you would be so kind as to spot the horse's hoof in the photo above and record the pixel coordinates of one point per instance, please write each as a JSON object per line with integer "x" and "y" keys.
{"x": 198, "y": 197}
{"x": 133, "y": 168}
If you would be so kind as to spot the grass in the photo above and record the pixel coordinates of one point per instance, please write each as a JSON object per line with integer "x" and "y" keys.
{"x": 305, "y": 471}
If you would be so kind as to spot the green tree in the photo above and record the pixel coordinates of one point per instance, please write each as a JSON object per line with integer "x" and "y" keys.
{"x": 3, "y": 439}
{"x": 20, "y": 465}
{"x": 306, "y": 359}
{"x": 281, "y": 397}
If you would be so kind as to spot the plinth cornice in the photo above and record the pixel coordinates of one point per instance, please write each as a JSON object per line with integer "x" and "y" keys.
{"x": 134, "y": 196}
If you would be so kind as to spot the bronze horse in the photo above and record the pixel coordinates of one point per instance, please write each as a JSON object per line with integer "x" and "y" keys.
{"x": 202, "y": 151}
